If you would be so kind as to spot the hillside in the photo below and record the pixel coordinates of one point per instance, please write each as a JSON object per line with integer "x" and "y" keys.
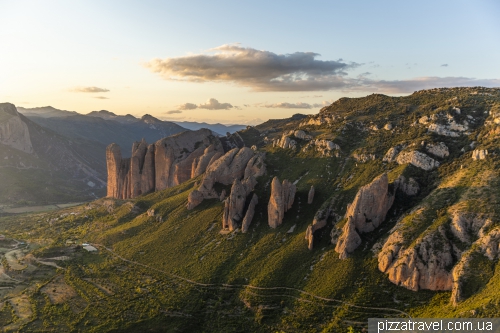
{"x": 39, "y": 166}
{"x": 402, "y": 220}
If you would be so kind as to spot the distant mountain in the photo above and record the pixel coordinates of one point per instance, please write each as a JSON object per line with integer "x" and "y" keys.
{"x": 38, "y": 165}
{"x": 105, "y": 127}
{"x": 45, "y": 112}
{"x": 218, "y": 128}
{"x": 108, "y": 115}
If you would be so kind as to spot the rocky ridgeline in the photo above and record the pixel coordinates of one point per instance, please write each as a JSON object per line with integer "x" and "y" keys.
{"x": 166, "y": 163}
{"x": 281, "y": 200}
{"x": 13, "y": 130}
{"x": 365, "y": 213}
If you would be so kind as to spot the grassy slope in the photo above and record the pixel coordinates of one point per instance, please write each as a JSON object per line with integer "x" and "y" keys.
{"x": 188, "y": 243}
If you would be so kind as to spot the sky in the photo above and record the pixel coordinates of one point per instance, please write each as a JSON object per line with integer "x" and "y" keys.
{"x": 239, "y": 62}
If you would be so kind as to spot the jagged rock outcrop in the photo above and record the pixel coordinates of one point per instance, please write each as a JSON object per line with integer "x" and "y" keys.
{"x": 300, "y": 134}
{"x": 365, "y": 213}
{"x": 392, "y": 153}
{"x": 249, "y": 214}
{"x": 174, "y": 156}
{"x": 243, "y": 164}
{"x": 479, "y": 154}
{"x": 409, "y": 187}
{"x": 13, "y": 131}
{"x": 281, "y": 200}
{"x": 326, "y": 147}
{"x": 421, "y": 266}
{"x": 319, "y": 222}
{"x": 234, "y": 205}
{"x": 418, "y": 159}
{"x": 363, "y": 158}
{"x": 168, "y": 162}
{"x": 310, "y": 196}
{"x": 201, "y": 163}
{"x": 285, "y": 142}
{"x": 439, "y": 149}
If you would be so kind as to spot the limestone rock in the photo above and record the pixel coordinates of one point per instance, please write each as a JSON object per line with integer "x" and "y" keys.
{"x": 479, "y": 154}
{"x": 300, "y": 134}
{"x": 310, "y": 196}
{"x": 13, "y": 130}
{"x": 201, "y": 163}
{"x": 440, "y": 149}
{"x": 168, "y": 162}
{"x": 234, "y": 205}
{"x": 418, "y": 159}
{"x": 242, "y": 164}
{"x": 409, "y": 187}
{"x": 319, "y": 222}
{"x": 388, "y": 127}
{"x": 281, "y": 200}
{"x": 249, "y": 214}
{"x": 285, "y": 142}
{"x": 222, "y": 195}
{"x": 365, "y": 213}
{"x": 392, "y": 153}
{"x": 194, "y": 199}
{"x": 363, "y": 158}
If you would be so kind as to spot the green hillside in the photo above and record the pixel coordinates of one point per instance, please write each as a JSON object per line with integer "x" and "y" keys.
{"x": 180, "y": 273}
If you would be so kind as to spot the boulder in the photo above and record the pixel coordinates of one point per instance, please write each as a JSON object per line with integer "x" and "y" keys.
{"x": 281, "y": 200}
{"x": 249, "y": 214}
{"x": 392, "y": 153}
{"x": 418, "y": 159}
{"x": 409, "y": 187}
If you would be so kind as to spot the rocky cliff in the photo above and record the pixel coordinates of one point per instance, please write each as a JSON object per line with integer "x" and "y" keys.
{"x": 166, "y": 163}
{"x": 365, "y": 213}
{"x": 281, "y": 200}
{"x": 13, "y": 131}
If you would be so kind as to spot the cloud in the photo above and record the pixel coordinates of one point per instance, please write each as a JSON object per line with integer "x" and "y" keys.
{"x": 213, "y": 104}
{"x": 173, "y": 112}
{"x": 90, "y": 90}
{"x": 299, "y": 105}
{"x": 101, "y": 97}
{"x": 187, "y": 106}
{"x": 257, "y": 69}
{"x": 444, "y": 65}
{"x": 420, "y": 83}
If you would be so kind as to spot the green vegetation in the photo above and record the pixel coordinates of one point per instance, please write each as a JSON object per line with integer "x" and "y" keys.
{"x": 182, "y": 274}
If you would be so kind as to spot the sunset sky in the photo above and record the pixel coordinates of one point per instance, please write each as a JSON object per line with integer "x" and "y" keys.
{"x": 239, "y": 61}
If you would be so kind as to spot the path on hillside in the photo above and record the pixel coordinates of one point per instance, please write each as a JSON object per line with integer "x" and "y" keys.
{"x": 243, "y": 286}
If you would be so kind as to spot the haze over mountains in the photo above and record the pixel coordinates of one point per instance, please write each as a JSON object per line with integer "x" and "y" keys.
{"x": 64, "y": 151}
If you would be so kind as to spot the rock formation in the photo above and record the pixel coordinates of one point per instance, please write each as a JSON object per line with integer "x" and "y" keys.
{"x": 13, "y": 131}
{"x": 408, "y": 187}
{"x": 249, "y": 214}
{"x": 439, "y": 149}
{"x": 234, "y": 205}
{"x": 319, "y": 222}
{"x": 365, "y": 213}
{"x": 281, "y": 200}
{"x": 310, "y": 196}
{"x": 168, "y": 162}
{"x": 242, "y": 164}
{"x": 479, "y": 154}
{"x": 418, "y": 159}
{"x": 392, "y": 153}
